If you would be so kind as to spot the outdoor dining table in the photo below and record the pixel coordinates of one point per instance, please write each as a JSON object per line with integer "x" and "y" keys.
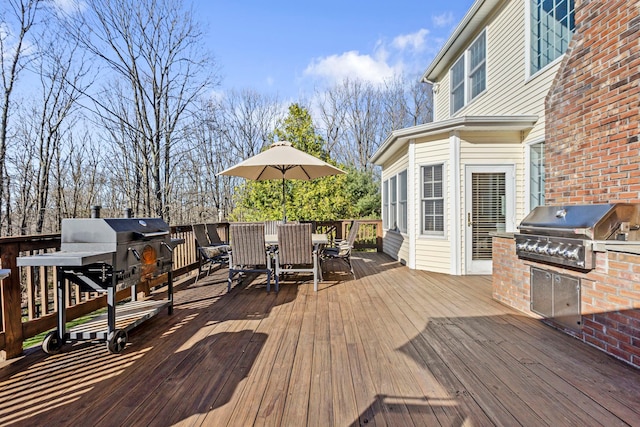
{"x": 316, "y": 238}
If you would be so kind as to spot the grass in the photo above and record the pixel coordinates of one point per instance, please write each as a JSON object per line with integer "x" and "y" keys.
{"x": 37, "y": 339}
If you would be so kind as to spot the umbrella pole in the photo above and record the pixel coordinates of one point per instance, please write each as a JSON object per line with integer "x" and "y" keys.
{"x": 284, "y": 204}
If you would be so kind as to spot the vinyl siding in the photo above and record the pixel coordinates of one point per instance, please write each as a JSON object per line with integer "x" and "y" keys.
{"x": 509, "y": 91}
{"x": 433, "y": 253}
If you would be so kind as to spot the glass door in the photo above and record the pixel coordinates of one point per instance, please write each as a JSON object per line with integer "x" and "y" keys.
{"x": 489, "y": 209}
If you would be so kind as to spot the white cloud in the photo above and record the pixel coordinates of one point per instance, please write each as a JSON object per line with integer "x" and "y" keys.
{"x": 352, "y": 65}
{"x": 414, "y": 41}
{"x": 406, "y": 54}
{"x": 443, "y": 20}
{"x": 70, "y": 6}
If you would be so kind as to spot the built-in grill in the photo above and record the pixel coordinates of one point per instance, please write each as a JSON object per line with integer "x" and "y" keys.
{"x": 566, "y": 235}
{"x": 103, "y": 255}
{"x": 569, "y": 236}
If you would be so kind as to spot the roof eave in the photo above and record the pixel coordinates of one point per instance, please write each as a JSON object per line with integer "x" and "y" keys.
{"x": 470, "y": 24}
{"x": 465, "y": 123}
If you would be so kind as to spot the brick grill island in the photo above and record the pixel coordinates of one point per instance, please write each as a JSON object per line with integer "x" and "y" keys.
{"x": 592, "y": 157}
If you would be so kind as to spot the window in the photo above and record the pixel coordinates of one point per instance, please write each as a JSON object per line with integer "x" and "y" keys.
{"x": 385, "y": 204}
{"x": 467, "y": 82}
{"x": 477, "y": 68}
{"x": 552, "y": 25}
{"x": 457, "y": 85}
{"x": 393, "y": 200}
{"x": 432, "y": 200}
{"x": 402, "y": 201}
{"x": 537, "y": 175}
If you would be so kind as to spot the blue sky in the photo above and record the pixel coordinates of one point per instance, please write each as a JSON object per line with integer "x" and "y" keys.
{"x": 289, "y": 47}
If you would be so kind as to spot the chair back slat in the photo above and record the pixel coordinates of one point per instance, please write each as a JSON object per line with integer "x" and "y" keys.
{"x": 200, "y": 234}
{"x": 214, "y": 237}
{"x": 353, "y": 233}
{"x": 248, "y": 244}
{"x": 294, "y": 244}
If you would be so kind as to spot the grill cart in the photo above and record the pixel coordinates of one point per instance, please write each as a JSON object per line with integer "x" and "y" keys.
{"x": 102, "y": 255}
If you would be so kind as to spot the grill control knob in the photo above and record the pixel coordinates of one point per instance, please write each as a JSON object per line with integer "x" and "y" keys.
{"x": 544, "y": 249}
{"x": 564, "y": 252}
{"x": 522, "y": 245}
{"x": 574, "y": 254}
{"x": 531, "y": 247}
{"x": 553, "y": 249}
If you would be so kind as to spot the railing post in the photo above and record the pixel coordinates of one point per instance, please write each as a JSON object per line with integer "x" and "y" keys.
{"x": 11, "y": 303}
{"x": 379, "y": 242}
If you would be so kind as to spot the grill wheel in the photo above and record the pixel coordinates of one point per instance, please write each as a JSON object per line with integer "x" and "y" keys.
{"x": 116, "y": 341}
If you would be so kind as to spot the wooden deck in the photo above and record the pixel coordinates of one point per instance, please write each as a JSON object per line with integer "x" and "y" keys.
{"x": 395, "y": 347}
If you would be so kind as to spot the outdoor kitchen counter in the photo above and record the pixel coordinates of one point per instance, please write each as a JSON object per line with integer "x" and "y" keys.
{"x": 503, "y": 234}
{"x": 623, "y": 247}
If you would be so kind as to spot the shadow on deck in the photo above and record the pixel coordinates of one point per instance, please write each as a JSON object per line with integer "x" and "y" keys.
{"x": 393, "y": 347}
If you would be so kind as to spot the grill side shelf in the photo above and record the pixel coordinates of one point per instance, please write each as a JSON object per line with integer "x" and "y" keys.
{"x": 65, "y": 259}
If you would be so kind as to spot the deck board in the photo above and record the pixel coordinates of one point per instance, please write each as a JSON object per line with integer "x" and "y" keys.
{"x": 392, "y": 347}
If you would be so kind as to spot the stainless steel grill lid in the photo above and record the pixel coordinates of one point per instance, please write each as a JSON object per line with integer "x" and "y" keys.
{"x": 112, "y": 230}
{"x": 594, "y": 222}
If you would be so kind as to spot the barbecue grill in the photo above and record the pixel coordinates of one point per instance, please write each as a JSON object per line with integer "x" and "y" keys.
{"x": 567, "y": 235}
{"x": 104, "y": 255}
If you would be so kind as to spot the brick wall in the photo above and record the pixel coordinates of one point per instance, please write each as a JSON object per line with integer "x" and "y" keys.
{"x": 593, "y": 109}
{"x": 609, "y": 297}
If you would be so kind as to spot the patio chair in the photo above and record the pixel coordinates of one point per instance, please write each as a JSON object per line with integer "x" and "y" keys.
{"x": 249, "y": 253}
{"x": 341, "y": 250}
{"x": 296, "y": 252}
{"x": 211, "y": 253}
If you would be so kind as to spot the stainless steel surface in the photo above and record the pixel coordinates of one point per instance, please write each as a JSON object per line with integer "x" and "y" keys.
{"x": 65, "y": 259}
{"x": 593, "y": 222}
{"x": 566, "y": 235}
{"x": 575, "y": 253}
{"x": 557, "y": 297}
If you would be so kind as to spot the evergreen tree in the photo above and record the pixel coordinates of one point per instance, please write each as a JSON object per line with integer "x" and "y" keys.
{"x": 351, "y": 195}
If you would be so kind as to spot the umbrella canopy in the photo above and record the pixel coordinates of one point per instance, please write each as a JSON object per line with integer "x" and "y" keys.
{"x": 282, "y": 161}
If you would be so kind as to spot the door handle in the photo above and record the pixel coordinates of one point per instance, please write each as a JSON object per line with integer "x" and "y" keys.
{"x": 469, "y": 222}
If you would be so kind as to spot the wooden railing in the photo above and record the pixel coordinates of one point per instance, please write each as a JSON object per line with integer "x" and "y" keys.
{"x": 27, "y": 300}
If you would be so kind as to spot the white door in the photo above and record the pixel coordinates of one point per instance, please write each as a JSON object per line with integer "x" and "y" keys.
{"x": 489, "y": 208}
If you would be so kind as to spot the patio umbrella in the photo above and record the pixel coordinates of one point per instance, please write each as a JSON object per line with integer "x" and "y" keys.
{"x": 282, "y": 161}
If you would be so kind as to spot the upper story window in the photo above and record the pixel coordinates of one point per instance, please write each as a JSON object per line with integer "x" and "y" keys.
{"x": 469, "y": 74}
{"x": 552, "y": 25}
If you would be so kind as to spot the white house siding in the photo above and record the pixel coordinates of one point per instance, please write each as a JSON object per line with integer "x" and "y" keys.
{"x": 432, "y": 253}
{"x": 441, "y": 103}
{"x": 394, "y": 243}
{"x": 509, "y": 90}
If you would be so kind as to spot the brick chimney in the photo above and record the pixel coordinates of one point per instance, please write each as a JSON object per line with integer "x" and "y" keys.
{"x": 593, "y": 109}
